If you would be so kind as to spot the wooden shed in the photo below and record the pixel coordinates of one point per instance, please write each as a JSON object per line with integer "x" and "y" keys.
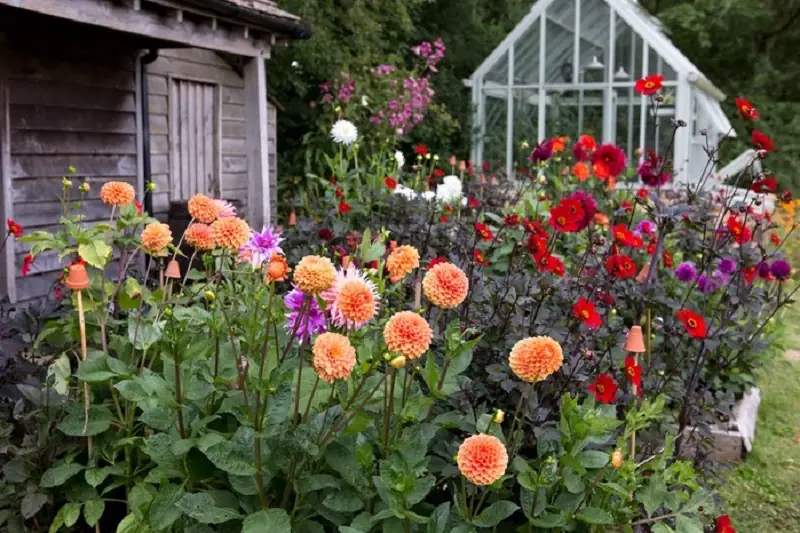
{"x": 173, "y": 91}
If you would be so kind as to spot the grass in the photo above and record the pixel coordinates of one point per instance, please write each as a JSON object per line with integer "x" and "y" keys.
{"x": 761, "y": 494}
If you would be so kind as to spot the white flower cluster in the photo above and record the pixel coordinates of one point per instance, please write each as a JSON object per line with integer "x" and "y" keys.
{"x": 449, "y": 192}
{"x": 344, "y": 132}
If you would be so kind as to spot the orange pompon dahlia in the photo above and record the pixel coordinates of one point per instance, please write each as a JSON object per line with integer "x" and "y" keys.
{"x": 482, "y": 459}
{"x": 407, "y": 333}
{"x": 230, "y": 233}
{"x": 155, "y": 237}
{"x": 445, "y": 285}
{"x": 334, "y": 357}
{"x": 117, "y": 193}
{"x": 535, "y": 358}
{"x": 200, "y": 237}
{"x": 204, "y": 209}
{"x": 352, "y": 299}
{"x": 314, "y": 274}
{"x": 277, "y": 269}
{"x": 402, "y": 262}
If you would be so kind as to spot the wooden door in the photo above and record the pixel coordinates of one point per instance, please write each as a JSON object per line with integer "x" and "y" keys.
{"x": 194, "y": 145}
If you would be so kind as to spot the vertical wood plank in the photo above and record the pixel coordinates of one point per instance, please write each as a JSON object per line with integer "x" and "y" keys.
{"x": 208, "y": 137}
{"x": 191, "y": 107}
{"x": 184, "y": 125}
{"x": 217, "y": 146}
{"x": 255, "y": 101}
{"x": 7, "y": 273}
{"x": 174, "y": 140}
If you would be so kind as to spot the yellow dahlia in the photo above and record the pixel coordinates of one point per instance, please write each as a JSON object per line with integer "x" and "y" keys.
{"x": 314, "y": 274}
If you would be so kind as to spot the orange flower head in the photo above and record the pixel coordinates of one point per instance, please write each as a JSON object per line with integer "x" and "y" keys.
{"x": 445, "y": 285}
{"x": 601, "y": 219}
{"x": 408, "y": 334}
{"x": 230, "y": 233}
{"x": 155, "y": 237}
{"x": 482, "y": 459}
{"x": 535, "y": 358}
{"x": 200, "y": 237}
{"x": 352, "y": 299}
{"x": 559, "y": 143}
{"x": 204, "y": 209}
{"x": 333, "y": 357}
{"x": 581, "y": 171}
{"x": 314, "y": 274}
{"x": 277, "y": 269}
{"x": 402, "y": 262}
{"x": 117, "y": 193}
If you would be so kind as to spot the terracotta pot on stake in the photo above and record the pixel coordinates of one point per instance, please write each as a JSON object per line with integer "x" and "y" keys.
{"x": 172, "y": 272}
{"x": 635, "y": 345}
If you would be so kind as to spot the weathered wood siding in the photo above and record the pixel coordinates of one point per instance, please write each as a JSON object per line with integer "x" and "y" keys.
{"x": 68, "y": 105}
{"x": 204, "y": 68}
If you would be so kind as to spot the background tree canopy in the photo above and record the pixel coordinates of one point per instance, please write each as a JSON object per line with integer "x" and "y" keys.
{"x": 746, "y": 47}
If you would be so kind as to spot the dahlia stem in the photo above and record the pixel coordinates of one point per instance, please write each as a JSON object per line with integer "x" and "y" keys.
{"x": 299, "y": 381}
{"x": 389, "y": 412}
{"x": 311, "y": 399}
{"x": 525, "y": 398}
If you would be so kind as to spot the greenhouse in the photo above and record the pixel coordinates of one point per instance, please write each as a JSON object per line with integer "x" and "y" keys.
{"x": 569, "y": 68}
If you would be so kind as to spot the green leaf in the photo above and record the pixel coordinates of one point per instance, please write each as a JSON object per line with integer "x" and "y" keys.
{"x": 96, "y": 253}
{"x": 59, "y": 474}
{"x": 616, "y": 489}
{"x": 95, "y": 476}
{"x": 268, "y": 521}
{"x": 149, "y": 333}
{"x": 573, "y": 482}
{"x": 72, "y": 511}
{"x": 549, "y": 521}
{"x": 16, "y": 470}
{"x": 231, "y": 458}
{"x": 93, "y": 510}
{"x": 684, "y": 524}
{"x": 164, "y": 511}
{"x": 593, "y": 459}
{"x": 439, "y": 517}
{"x": 31, "y": 504}
{"x": 593, "y": 515}
{"x": 60, "y": 371}
{"x": 318, "y": 482}
{"x": 653, "y": 495}
{"x": 202, "y": 507}
{"x": 341, "y": 458}
{"x": 495, "y": 513}
{"x": 132, "y": 524}
{"x": 139, "y": 499}
{"x": 343, "y": 501}
{"x": 74, "y": 423}
{"x": 58, "y": 521}
{"x": 661, "y": 527}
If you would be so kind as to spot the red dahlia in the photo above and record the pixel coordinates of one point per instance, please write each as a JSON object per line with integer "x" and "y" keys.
{"x": 608, "y": 161}
{"x": 633, "y": 372}
{"x": 483, "y": 231}
{"x": 584, "y": 310}
{"x": 604, "y": 388}
{"x": 746, "y": 109}
{"x": 761, "y": 141}
{"x": 390, "y": 183}
{"x": 620, "y": 266}
{"x": 650, "y": 84}
{"x": 695, "y": 324}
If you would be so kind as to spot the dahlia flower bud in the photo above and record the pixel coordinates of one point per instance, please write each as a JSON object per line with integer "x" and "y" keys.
{"x": 398, "y": 362}
{"x": 66, "y": 183}
{"x": 616, "y": 459}
{"x": 151, "y": 186}
{"x": 84, "y": 187}
{"x": 499, "y": 416}
{"x": 210, "y": 296}
{"x": 542, "y": 180}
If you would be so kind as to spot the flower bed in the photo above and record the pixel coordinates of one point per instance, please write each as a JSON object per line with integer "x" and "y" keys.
{"x": 435, "y": 357}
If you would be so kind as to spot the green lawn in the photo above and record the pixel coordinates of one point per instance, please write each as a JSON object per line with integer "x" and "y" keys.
{"x": 763, "y": 493}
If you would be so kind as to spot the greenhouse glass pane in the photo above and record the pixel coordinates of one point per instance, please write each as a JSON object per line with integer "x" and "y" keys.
{"x": 498, "y": 74}
{"x": 590, "y": 117}
{"x": 657, "y": 65}
{"x": 494, "y": 135}
{"x": 560, "y": 42}
{"x": 526, "y": 56}
{"x": 561, "y": 116}
{"x": 627, "y": 53}
{"x": 526, "y": 122}
{"x": 594, "y": 33}
{"x": 627, "y": 113}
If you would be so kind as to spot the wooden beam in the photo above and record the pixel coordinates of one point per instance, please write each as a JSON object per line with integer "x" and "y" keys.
{"x": 7, "y": 270}
{"x": 144, "y": 23}
{"x": 255, "y": 102}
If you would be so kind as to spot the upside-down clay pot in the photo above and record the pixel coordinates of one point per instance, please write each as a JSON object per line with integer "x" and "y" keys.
{"x": 78, "y": 278}
{"x": 292, "y": 218}
{"x": 173, "y": 270}
{"x": 635, "y": 341}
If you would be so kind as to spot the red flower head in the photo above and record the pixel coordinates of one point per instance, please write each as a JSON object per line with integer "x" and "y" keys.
{"x": 746, "y": 109}
{"x": 477, "y": 255}
{"x": 608, "y": 161}
{"x": 769, "y": 184}
{"x": 474, "y": 203}
{"x": 421, "y": 150}
{"x": 667, "y": 257}
{"x": 438, "y": 173}
{"x": 344, "y": 207}
{"x": 27, "y": 261}
{"x": 511, "y": 219}
{"x": 533, "y": 226}
{"x": 435, "y": 261}
{"x": 620, "y": 266}
{"x": 724, "y": 524}
{"x": 486, "y": 166}
{"x": 776, "y": 240}
{"x": 339, "y": 192}
{"x": 695, "y": 324}
{"x": 14, "y": 228}
{"x": 568, "y": 216}
{"x": 584, "y": 310}
{"x": 552, "y": 264}
{"x": 443, "y": 219}
{"x": 604, "y": 388}
{"x": 139, "y": 207}
{"x": 587, "y": 142}
{"x": 483, "y": 231}
{"x": 633, "y": 372}
{"x": 622, "y": 234}
{"x": 537, "y": 246}
{"x": 325, "y": 234}
{"x": 643, "y": 194}
{"x": 761, "y": 141}
{"x": 786, "y": 196}
{"x": 741, "y": 233}
{"x": 749, "y": 274}
{"x": 649, "y": 85}
{"x": 390, "y": 183}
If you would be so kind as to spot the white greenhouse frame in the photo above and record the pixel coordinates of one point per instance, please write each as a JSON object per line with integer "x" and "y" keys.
{"x": 535, "y": 71}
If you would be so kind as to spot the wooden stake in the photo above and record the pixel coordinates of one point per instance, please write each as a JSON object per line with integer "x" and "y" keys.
{"x": 82, "y": 326}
